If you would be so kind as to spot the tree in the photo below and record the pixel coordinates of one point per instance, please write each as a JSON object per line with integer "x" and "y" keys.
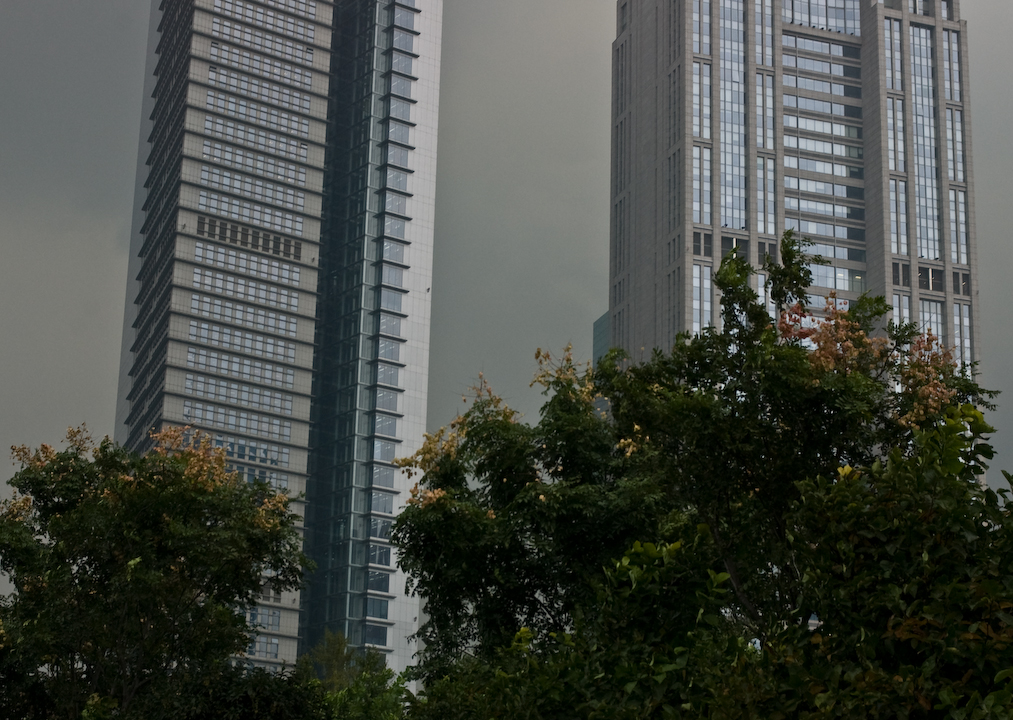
{"x": 559, "y": 557}
{"x": 132, "y": 573}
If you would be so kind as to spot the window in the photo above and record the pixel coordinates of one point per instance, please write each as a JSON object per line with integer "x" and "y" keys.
{"x": 389, "y": 349}
{"x": 265, "y": 18}
{"x": 254, "y": 38}
{"x": 245, "y": 263}
{"x": 379, "y": 555}
{"x": 895, "y": 134}
{"x": 962, "y": 334}
{"x": 703, "y": 244}
{"x": 376, "y": 607}
{"x": 239, "y": 366}
{"x": 378, "y": 581}
{"x": 226, "y": 337}
{"x": 250, "y": 396}
{"x": 260, "y": 114}
{"x": 264, "y": 648}
{"x": 930, "y": 317}
{"x": 390, "y": 300}
{"x": 701, "y": 297}
{"x": 951, "y": 65}
{"x": 247, "y": 212}
{"x": 732, "y": 174}
{"x": 244, "y": 289}
{"x": 375, "y": 635}
{"x": 702, "y": 27}
{"x": 397, "y": 155}
{"x": 254, "y": 87}
{"x": 958, "y": 227}
{"x": 383, "y": 476}
{"x": 925, "y": 150}
{"x": 764, "y": 32}
{"x": 891, "y": 39}
{"x": 236, "y": 420}
{"x": 400, "y": 109}
{"x": 404, "y": 18}
{"x": 239, "y": 314}
{"x": 399, "y": 62}
{"x": 387, "y": 374}
{"x": 392, "y": 275}
{"x": 902, "y": 274}
{"x": 701, "y": 100}
{"x": 398, "y": 132}
{"x": 393, "y": 251}
{"x": 400, "y": 85}
{"x": 739, "y": 246}
{"x": 386, "y": 425}
{"x": 764, "y": 111}
{"x": 380, "y": 528}
{"x": 901, "y": 308}
{"x": 384, "y": 450}
{"x": 403, "y": 41}
{"x": 386, "y": 400}
{"x": 701, "y": 185}
{"x": 390, "y": 324}
{"x": 394, "y": 227}
{"x": 255, "y": 137}
{"x": 395, "y": 203}
{"x": 898, "y": 217}
{"x": 766, "y": 200}
{"x": 265, "y": 619}
{"x": 955, "y": 144}
{"x": 397, "y": 179}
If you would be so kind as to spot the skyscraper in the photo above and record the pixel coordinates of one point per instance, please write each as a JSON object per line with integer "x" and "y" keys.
{"x": 280, "y": 268}
{"x": 845, "y": 120}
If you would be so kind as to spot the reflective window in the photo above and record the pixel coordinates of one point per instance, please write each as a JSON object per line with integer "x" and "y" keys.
{"x": 951, "y": 65}
{"x": 958, "y": 227}
{"x": 924, "y": 135}
{"x": 962, "y": 334}
{"x": 701, "y": 297}
{"x": 764, "y": 35}
{"x": 898, "y": 217}
{"x": 955, "y": 144}
{"x": 702, "y": 27}
{"x": 701, "y": 185}
{"x": 375, "y": 635}
{"x": 733, "y": 115}
{"x": 895, "y": 134}
{"x": 701, "y": 100}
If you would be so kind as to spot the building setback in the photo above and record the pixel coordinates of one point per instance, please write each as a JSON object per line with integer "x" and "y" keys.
{"x": 278, "y": 291}
{"x": 846, "y": 120}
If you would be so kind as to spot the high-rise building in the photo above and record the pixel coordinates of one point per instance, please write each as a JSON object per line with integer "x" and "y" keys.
{"x": 846, "y": 120}
{"x": 281, "y": 257}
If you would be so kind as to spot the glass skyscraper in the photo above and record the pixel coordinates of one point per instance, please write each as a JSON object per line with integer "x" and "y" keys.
{"x": 278, "y": 293}
{"x": 845, "y": 120}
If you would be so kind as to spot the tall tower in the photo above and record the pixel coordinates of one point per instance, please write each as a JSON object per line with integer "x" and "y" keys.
{"x": 846, "y": 120}
{"x": 280, "y": 267}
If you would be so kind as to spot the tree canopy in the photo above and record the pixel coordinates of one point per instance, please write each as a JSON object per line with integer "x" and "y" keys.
{"x": 132, "y": 574}
{"x": 686, "y": 552}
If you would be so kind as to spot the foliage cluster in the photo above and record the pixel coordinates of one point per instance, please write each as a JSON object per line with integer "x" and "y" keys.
{"x": 132, "y": 578}
{"x": 778, "y": 518}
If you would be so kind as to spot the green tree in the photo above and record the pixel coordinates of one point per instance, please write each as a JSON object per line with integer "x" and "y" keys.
{"x": 131, "y": 573}
{"x": 692, "y": 480}
{"x": 374, "y": 693}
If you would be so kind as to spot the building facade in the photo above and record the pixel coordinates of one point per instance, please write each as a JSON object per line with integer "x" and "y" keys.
{"x": 846, "y": 120}
{"x": 278, "y": 292}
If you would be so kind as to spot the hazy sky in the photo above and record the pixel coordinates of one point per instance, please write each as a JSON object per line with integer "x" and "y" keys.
{"x": 522, "y": 203}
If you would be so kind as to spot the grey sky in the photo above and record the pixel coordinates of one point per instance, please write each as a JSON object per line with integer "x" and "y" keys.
{"x": 522, "y": 216}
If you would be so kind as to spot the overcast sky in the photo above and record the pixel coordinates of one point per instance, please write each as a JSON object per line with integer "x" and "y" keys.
{"x": 522, "y": 203}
